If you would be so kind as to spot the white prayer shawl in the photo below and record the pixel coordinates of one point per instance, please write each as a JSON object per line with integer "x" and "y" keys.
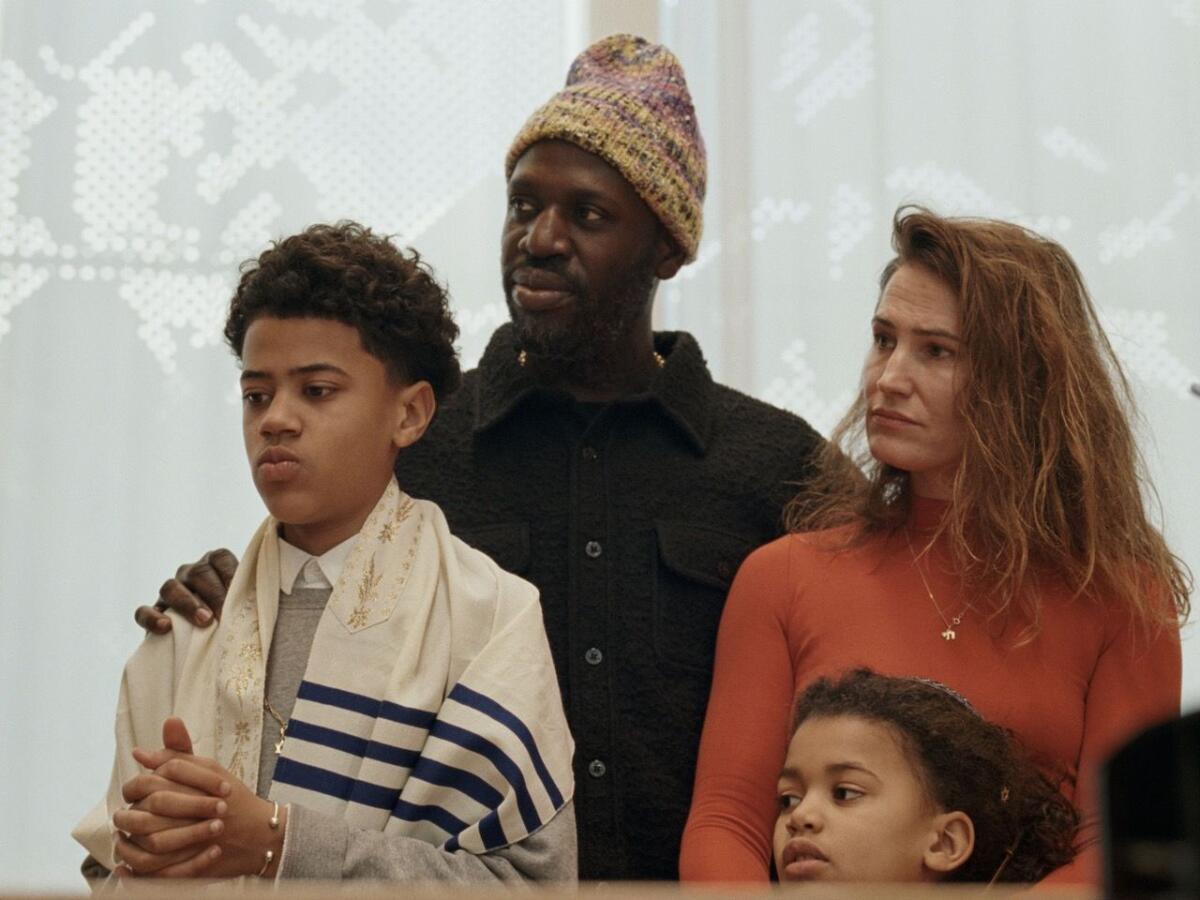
{"x": 429, "y": 706}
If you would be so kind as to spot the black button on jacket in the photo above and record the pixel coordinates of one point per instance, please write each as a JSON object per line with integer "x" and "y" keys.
{"x": 631, "y": 519}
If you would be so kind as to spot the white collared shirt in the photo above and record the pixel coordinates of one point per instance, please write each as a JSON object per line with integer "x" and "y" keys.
{"x": 300, "y": 569}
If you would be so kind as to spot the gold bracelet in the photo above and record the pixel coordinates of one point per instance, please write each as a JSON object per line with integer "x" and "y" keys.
{"x": 269, "y": 855}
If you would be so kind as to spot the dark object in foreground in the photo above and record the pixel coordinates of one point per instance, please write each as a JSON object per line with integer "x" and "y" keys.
{"x": 1151, "y": 807}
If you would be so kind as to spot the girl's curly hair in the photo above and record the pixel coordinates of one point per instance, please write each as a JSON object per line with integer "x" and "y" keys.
{"x": 346, "y": 273}
{"x": 1024, "y": 826}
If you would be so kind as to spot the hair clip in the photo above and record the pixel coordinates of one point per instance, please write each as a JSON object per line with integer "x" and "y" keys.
{"x": 1008, "y": 855}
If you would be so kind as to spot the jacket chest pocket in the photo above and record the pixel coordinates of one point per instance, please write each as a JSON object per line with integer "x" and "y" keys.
{"x": 507, "y": 544}
{"x": 694, "y": 568}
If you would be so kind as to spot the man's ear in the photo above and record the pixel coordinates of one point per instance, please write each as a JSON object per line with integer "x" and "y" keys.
{"x": 670, "y": 256}
{"x": 952, "y": 844}
{"x": 416, "y": 408}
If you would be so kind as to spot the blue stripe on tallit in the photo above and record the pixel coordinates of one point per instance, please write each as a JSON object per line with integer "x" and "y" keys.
{"x": 498, "y": 758}
{"x": 355, "y": 746}
{"x": 406, "y": 715}
{"x": 319, "y": 693}
{"x": 352, "y": 790}
{"x": 490, "y": 707}
{"x": 491, "y": 831}
{"x": 334, "y": 784}
{"x": 367, "y": 706}
{"x": 413, "y": 812}
{"x": 461, "y": 780}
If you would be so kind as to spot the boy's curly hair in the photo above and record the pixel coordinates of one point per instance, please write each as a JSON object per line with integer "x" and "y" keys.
{"x": 347, "y": 273}
{"x": 1024, "y": 827}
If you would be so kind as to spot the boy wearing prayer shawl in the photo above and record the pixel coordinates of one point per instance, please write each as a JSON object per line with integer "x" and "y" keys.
{"x": 378, "y": 700}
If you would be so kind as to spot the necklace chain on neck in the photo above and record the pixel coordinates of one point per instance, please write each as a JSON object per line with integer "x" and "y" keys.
{"x": 282, "y": 726}
{"x": 949, "y": 634}
{"x": 523, "y": 359}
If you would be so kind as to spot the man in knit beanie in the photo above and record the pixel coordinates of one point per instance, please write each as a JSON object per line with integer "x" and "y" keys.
{"x": 627, "y": 102}
{"x": 597, "y": 458}
{"x": 626, "y": 117}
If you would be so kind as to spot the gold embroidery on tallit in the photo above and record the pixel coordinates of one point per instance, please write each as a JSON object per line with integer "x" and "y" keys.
{"x": 241, "y": 740}
{"x": 242, "y": 662}
{"x": 368, "y": 587}
{"x": 388, "y": 532}
{"x": 411, "y": 556}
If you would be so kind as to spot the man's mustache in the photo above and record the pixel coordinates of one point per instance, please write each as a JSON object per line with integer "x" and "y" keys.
{"x": 555, "y": 267}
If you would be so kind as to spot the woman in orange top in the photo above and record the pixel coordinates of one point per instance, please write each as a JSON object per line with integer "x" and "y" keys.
{"x": 998, "y": 544}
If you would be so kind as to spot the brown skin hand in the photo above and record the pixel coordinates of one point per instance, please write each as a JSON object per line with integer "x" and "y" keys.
{"x": 197, "y": 592}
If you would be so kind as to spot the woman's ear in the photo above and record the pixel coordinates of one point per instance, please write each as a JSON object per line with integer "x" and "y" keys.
{"x": 952, "y": 844}
{"x": 416, "y": 406}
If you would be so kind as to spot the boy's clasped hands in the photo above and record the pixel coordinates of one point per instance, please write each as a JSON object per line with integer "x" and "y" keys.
{"x": 188, "y": 817}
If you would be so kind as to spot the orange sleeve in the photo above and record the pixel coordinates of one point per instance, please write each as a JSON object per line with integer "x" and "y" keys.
{"x": 728, "y": 835}
{"x": 1136, "y": 683}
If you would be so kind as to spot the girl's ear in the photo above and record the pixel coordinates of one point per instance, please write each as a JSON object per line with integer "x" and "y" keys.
{"x": 416, "y": 406}
{"x": 953, "y": 841}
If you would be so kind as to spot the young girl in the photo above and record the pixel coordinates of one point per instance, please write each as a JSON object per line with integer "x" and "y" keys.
{"x": 899, "y": 779}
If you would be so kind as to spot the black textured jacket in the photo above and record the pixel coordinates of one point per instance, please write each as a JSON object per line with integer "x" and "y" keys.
{"x": 631, "y": 521}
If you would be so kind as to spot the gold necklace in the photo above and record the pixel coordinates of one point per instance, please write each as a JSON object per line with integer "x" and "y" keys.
{"x": 282, "y": 726}
{"x": 949, "y": 634}
{"x": 523, "y": 358}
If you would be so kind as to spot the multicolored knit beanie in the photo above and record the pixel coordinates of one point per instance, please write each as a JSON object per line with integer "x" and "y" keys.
{"x": 626, "y": 101}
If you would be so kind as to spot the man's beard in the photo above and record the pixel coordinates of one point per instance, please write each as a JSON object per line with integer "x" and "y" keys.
{"x": 582, "y": 344}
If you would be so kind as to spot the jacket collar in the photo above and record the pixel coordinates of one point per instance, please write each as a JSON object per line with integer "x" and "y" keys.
{"x": 683, "y": 390}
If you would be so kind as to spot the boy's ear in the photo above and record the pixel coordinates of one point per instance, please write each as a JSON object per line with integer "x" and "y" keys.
{"x": 952, "y": 844}
{"x": 416, "y": 408}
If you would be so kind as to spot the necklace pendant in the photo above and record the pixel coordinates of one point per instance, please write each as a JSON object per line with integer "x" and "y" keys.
{"x": 949, "y": 634}
{"x": 279, "y": 746}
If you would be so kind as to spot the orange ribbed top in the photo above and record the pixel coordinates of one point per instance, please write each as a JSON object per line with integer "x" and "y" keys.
{"x": 799, "y": 610}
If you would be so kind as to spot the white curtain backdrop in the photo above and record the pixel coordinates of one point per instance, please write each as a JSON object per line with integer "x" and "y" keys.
{"x": 147, "y": 146}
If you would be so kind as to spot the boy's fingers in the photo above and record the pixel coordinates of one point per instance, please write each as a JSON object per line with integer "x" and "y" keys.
{"x": 178, "y": 805}
{"x": 140, "y": 788}
{"x": 156, "y": 759}
{"x": 168, "y": 809}
{"x": 172, "y": 840}
{"x": 190, "y": 772}
{"x": 151, "y": 759}
{"x": 134, "y": 822}
{"x": 193, "y": 867}
{"x": 143, "y": 862}
{"x": 175, "y": 735}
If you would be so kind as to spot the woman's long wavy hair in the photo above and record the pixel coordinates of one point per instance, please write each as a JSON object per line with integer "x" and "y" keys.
{"x": 1050, "y": 481}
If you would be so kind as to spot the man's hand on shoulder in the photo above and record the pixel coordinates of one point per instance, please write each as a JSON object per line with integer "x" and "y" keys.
{"x": 197, "y": 591}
